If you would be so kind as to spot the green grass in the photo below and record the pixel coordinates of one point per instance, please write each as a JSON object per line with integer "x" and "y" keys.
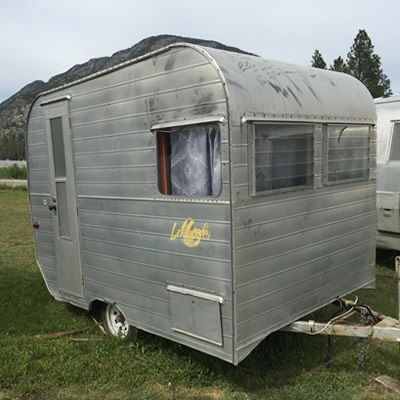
{"x": 284, "y": 367}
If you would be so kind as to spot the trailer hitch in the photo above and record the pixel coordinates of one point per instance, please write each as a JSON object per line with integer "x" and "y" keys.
{"x": 380, "y": 327}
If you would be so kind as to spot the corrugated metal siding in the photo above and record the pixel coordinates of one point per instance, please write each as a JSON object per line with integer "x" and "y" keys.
{"x": 113, "y": 145}
{"x": 128, "y": 257}
{"x": 240, "y": 164}
{"x": 125, "y": 222}
{"x": 295, "y": 253}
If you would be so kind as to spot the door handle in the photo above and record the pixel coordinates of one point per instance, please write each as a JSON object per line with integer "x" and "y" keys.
{"x": 52, "y": 207}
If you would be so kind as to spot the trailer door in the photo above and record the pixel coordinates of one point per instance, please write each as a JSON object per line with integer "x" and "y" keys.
{"x": 63, "y": 205}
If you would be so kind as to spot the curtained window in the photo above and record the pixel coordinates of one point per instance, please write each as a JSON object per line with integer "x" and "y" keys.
{"x": 189, "y": 161}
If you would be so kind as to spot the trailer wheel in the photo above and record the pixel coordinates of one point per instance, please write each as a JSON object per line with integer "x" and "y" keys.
{"x": 115, "y": 323}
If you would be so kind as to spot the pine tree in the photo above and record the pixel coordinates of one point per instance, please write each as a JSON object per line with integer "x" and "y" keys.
{"x": 318, "y": 61}
{"x": 339, "y": 65}
{"x": 363, "y": 64}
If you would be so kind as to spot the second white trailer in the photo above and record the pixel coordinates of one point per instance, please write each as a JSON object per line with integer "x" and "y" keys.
{"x": 388, "y": 172}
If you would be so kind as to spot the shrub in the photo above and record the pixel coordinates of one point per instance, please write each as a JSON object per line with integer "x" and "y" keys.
{"x": 13, "y": 172}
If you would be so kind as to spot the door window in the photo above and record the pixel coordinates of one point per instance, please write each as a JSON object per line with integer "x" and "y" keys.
{"x": 57, "y": 139}
{"x": 58, "y": 147}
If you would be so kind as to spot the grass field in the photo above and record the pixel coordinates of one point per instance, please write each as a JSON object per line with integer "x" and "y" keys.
{"x": 285, "y": 366}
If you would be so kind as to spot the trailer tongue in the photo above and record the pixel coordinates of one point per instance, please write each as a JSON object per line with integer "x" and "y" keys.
{"x": 372, "y": 325}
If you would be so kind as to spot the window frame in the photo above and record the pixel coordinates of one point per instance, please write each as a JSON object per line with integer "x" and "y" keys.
{"x": 175, "y": 127}
{"x": 251, "y": 126}
{"x": 326, "y": 159}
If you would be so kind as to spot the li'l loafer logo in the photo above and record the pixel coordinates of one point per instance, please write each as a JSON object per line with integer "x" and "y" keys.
{"x": 189, "y": 233}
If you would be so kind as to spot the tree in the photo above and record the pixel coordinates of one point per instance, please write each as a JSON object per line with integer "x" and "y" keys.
{"x": 364, "y": 65}
{"x": 318, "y": 61}
{"x": 339, "y": 65}
{"x": 12, "y": 146}
{"x": 4, "y": 143}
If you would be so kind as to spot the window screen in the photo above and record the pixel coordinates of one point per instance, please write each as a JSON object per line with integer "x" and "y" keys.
{"x": 395, "y": 148}
{"x": 284, "y": 156}
{"x": 348, "y": 153}
{"x": 189, "y": 161}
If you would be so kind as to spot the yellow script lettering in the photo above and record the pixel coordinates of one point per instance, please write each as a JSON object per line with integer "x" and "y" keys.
{"x": 189, "y": 233}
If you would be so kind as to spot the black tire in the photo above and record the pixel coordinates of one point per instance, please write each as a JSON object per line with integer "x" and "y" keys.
{"x": 115, "y": 323}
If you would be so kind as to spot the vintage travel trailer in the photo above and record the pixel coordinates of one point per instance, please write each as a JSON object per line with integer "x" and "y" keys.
{"x": 204, "y": 196}
{"x": 388, "y": 172}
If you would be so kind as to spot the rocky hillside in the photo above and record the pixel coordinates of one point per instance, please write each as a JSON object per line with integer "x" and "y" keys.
{"x": 13, "y": 111}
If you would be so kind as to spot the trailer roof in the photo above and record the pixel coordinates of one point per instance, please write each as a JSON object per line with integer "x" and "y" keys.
{"x": 389, "y": 99}
{"x": 265, "y": 89}
{"x": 275, "y": 89}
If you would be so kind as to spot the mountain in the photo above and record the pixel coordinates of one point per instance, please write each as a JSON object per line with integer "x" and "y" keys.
{"x": 13, "y": 111}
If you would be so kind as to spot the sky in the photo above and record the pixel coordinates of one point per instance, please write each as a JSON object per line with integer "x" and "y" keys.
{"x": 41, "y": 38}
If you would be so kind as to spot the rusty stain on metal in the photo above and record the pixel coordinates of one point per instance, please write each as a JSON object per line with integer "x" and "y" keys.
{"x": 387, "y": 328}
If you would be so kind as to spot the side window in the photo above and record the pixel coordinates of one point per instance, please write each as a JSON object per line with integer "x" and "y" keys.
{"x": 189, "y": 161}
{"x": 395, "y": 147}
{"x": 348, "y": 153}
{"x": 284, "y": 156}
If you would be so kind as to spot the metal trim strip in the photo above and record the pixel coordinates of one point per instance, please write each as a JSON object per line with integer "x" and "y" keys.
{"x": 201, "y": 120}
{"x": 55, "y": 100}
{"x": 196, "y": 293}
{"x": 171, "y": 199}
{"x": 306, "y": 119}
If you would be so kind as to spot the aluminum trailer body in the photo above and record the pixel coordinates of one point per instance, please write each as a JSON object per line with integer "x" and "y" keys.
{"x": 212, "y": 197}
